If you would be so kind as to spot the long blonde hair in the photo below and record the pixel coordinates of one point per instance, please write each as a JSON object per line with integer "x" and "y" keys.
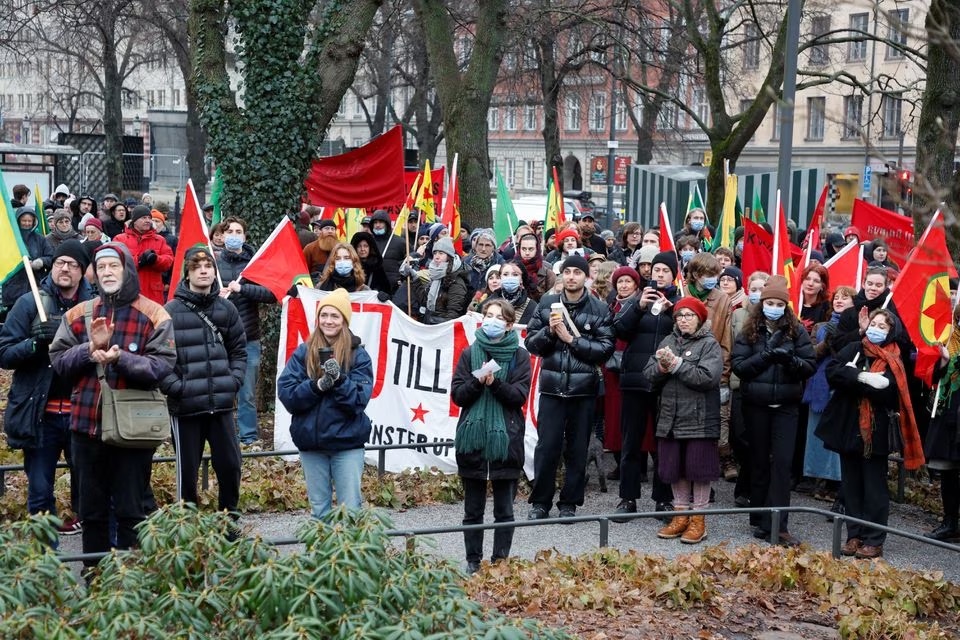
{"x": 359, "y": 275}
{"x": 342, "y": 347}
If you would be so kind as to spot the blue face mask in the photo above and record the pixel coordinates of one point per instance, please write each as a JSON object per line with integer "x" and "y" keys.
{"x": 753, "y": 297}
{"x": 233, "y": 243}
{"x": 773, "y": 313}
{"x": 696, "y": 225}
{"x": 875, "y": 335}
{"x": 687, "y": 255}
{"x": 379, "y": 232}
{"x": 343, "y": 267}
{"x": 510, "y": 284}
{"x": 709, "y": 283}
{"x": 739, "y": 246}
{"x": 493, "y": 327}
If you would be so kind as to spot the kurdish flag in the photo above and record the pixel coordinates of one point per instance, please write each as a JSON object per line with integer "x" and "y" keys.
{"x": 12, "y": 249}
{"x": 401, "y": 222}
{"x": 728, "y": 219}
{"x": 42, "y": 227}
{"x": 554, "y": 218}
{"x": 425, "y": 200}
{"x": 451, "y": 207}
{"x": 756, "y": 213}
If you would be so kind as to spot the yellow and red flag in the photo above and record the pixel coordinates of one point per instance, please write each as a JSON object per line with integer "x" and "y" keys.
{"x": 667, "y": 244}
{"x": 451, "y": 208}
{"x": 782, "y": 257}
{"x": 922, "y": 296}
{"x": 555, "y": 216}
{"x": 401, "y": 222}
{"x": 425, "y": 202}
{"x": 340, "y": 222}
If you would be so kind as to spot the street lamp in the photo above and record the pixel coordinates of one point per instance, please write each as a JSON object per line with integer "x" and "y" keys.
{"x": 136, "y": 125}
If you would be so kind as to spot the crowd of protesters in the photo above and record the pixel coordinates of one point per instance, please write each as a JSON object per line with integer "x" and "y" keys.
{"x": 659, "y": 354}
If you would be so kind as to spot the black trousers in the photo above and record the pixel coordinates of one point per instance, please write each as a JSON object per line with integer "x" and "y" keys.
{"x": 773, "y": 433}
{"x": 474, "y": 504}
{"x": 190, "y": 433}
{"x": 638, "y": 410}
{"x": 110, "y": 476}
{"x": 865, "y": 495}
{"x": 740, "y": 442}
{"x": 564, "y": 426}
{"x": 950, "y": 494}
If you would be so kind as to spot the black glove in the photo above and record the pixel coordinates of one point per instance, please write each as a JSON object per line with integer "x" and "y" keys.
{"x": 147, "y": 258}
{"x": 781, "y": 355}
{"x": 383, "y": 296}
{"x": 43, "y": 332}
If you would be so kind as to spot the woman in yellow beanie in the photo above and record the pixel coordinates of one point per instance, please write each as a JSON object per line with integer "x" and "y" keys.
{"x": 326, "y": 386}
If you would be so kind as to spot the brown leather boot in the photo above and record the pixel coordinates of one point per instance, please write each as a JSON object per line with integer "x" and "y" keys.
{"x": 696, "y": 532}
{"x": 678, "y": 524}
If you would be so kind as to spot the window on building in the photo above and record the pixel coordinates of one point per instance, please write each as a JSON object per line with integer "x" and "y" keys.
{"x": 819, "y": 27}
{"x": 667, "y": 119}
{"x": 751, "y": 46}
{"x": 852, "y": 116}
{"x": 150, "y": 102}
{"x": 358, "y": 106}
{"x": 859, "y": 25}
{"x": 530, "y": 118}
{"x": 700, "y": 105}
{"x": 529, "y": 174}
{"x": 21, "y": 104}
{"x": 816, "y": 117}
{"x": 493, "y": 119}
{"x": 571, "y": 111}
{"x": 29, "y": 102}
{"x": 509, "y": 170}
{"x": 39, "y": 101}
{"x": 510, "y": 61}
{"x": 176, "y": 97}
{"x": 777, "y": 120}
{"x": 620, "y": 121}
{"x": 897, "y": 31}
{"x": 598, "y": 109}
{"x": 464, "y": 50}
{"x": 892, "y": 115}
{"x": 162, "y": 98}
{"x": 509, "y": 119}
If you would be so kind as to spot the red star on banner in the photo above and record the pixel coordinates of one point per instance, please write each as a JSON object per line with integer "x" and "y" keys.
{"x": 939, "y": 310}
{"x": 419, "y": 413}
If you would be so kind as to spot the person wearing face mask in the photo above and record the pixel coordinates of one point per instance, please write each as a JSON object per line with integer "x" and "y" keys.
{"x": 540, "y": 276}
{"x": 686, "y": 369}
{"x": 642, "y": 322}
{"x": 438, "y": 293}
{"x": 490, "y": 432}
{"x": 247, "y": 297}
{"x": 739, "y": 438}
{"x": 372, "y": 262}
{"x": 819, "y": 463}
{"x": 695, "y": 224}
{"x": 870, "y": 416}
{"x": 513, "y": 289}
{"x": 772, "y": 356}
{"x": 687, "y": 248}
{"x": 343, "y": 270}
{"x": 704, "y": 276}
{"x": 491, "y": 286}
{"x": 872, "y": 296}
{"x": 392, "y": 247}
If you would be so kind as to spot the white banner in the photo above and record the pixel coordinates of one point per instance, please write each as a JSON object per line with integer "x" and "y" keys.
{"x": 413, "y": 365}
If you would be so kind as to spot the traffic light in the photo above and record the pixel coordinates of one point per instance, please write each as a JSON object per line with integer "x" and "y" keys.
{"x": 906, "y": 185}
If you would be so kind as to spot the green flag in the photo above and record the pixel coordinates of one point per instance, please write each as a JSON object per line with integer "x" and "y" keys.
{"x": 12, "y": 247}
{"x": 505, "y": 220}
{"x": 757, "y": 214}
{"x": 216, "y": 190}
{"x": 695, "y": 201}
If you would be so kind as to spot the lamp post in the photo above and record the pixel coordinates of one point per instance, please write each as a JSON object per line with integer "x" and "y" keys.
{"x": 137, "y": 130}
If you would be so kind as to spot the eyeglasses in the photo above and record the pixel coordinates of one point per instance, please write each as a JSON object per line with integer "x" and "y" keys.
{"x": 684, "y": 316}
{"x": 65, "y": 264}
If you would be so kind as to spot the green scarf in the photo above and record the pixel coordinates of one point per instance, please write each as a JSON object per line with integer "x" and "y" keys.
{"x": 485, "y": 426}
{"x": 697, "y": 292}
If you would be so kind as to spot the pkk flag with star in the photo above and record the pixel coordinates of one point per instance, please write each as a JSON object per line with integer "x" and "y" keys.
{"x": 922, "y": 296}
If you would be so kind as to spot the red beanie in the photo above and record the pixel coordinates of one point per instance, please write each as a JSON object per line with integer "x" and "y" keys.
{"x": 567, "y": 233}
{"x": 689, "y": 302}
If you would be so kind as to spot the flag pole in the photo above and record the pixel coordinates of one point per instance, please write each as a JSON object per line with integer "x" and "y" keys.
{"x": 406, "y": 243}
{"x": 33, "y": 288}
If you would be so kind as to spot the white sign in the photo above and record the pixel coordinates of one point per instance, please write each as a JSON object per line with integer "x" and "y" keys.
{"x": 413, "y": 365}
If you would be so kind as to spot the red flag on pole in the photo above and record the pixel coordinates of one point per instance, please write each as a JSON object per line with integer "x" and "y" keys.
{"x": 757, "y": 252}
{"x": 369, "y": 177}
{"x": 193, "y": 231}
{"x": 812, "y": 238}
{"x": 922, "y": 297}
{"x": 667, "y": 244}
{"x": 897, "y": 230}
{"x": 846, "y": 268}
{"x": 451, "y": 208}
{"x": 279, "y": 263}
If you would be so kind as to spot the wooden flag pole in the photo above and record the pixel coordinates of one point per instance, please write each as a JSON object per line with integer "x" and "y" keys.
{"x": 33, "y": 288}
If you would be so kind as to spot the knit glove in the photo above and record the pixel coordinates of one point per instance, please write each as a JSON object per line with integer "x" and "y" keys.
{"x": 147, "y": 258}
{"x": 875, "y": 380}
{"x": 331, "y": 374}
{"x": 36, "y": 264}
{"x": 43, "y": 332}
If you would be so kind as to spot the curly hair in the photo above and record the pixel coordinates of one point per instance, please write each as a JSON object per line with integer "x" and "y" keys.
{"x": 756, "y": 322}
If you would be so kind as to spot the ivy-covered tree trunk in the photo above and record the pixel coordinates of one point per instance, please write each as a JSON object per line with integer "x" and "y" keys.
{"x": 465, "y": 96}
{"x": 112, "y": 103}
{"x": 935, "y": 178}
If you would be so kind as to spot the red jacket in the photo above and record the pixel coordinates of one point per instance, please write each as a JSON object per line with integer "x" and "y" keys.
{"x": 151, "y": 276}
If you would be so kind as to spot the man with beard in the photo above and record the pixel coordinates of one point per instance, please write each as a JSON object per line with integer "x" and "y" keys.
{"x": 318, "y": 252}
{"x": 81, "y": 207}
{"x": 588, "y": 236}
{"x": 246, "y": 297}
{"x": 539, "y": 274}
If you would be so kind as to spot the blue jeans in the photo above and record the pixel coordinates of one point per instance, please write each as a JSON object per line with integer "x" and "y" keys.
{"x": 247, "y": 403}
{"x": 325, "y": 470}
{"x": 40, "y": 464}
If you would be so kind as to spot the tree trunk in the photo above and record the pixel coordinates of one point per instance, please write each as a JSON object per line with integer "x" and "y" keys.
{"x": 112, "y": 106}
{"x": 550, "y": 89}
{"x": 465, "y": 97}
{"x": 935, "y": 179}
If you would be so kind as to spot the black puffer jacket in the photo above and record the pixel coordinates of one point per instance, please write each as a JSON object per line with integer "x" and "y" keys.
{"x": 643, "y": 332}
{"x": 511, "y": 393}
{"x": 251, "y": 295}
{"x": 766, "y": 378}
{"x": 210, "y": 370}
{"x": 571, "y": 369}
{"x": 393, "y": 249}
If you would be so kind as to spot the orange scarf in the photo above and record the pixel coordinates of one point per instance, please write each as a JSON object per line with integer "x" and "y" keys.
{"x": 882, "y": 359}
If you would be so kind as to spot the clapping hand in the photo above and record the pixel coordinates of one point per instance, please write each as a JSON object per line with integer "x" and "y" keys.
{"x": 100, "y": 333}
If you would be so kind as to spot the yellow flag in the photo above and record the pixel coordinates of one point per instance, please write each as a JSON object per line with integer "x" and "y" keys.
{"x": 401, "y": 222}
{"x": 12, "y": 248}
{"x": 425, "y": 197}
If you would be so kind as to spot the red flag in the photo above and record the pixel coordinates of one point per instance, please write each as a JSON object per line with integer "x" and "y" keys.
{"x": 922, "y": 297}
{"x": 847, "y": 267}
{"x": 757, "y": 248}
{"x": 667, "y": 244}
{"x": 812, "y": 238}
{"x": 451, "y": 208}
{"x": 369, "y": 177}
{"x": 193, "y": 231}
{"x": 279, "y": 263}
{"x": 897, "y": 230}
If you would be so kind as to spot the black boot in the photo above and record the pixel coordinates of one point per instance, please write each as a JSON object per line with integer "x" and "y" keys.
{"x": 946, "y": 532}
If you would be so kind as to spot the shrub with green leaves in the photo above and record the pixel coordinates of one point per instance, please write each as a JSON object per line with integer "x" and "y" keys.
{"x": 188, "y": 580}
